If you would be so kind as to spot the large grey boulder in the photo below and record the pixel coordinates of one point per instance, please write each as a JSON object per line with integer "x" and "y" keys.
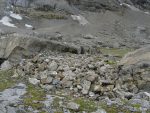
{"x": 135, "y": 70}
{"x": 22, "y": 3}
{"x": 16, "y": 46}
{"x": 138, "y": 56}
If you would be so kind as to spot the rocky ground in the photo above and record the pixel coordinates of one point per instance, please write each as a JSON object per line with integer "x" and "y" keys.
{"x": 76, "y": 56}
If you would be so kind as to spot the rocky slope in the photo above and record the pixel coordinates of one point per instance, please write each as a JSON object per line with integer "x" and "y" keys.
{"x": 74, "y": 56}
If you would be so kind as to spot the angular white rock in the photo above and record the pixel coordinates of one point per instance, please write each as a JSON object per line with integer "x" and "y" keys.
{"x": 28, "y": 26}
{"x": 34, "y": 81}
{"x": 80, "y": 19}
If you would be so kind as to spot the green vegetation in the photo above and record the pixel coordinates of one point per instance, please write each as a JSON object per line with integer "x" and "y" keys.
{"x": 115, "y": 109}
{"x": 114, "y": 51}
{"x": 137, "y": 106}
{"x": 110, "y": 62}
{"x": 34, "y": 96}
{"x": 56, "y": 102}
{"x": 56, "y": 106}
{"x": 86, "y": 105}
{"x": 5, "y": 79}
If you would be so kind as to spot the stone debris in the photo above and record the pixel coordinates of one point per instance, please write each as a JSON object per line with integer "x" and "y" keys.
{"x": 5, "y": 65}
{"x": 73, "y": 106}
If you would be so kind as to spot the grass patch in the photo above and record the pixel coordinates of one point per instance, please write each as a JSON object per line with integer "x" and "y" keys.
{"x": 137, "y": 106}
{"x": 5, "y": 79}
{"x": 86, "y": 105}
{"x": 110, "y": 62}
{"x": 56, "y": 106}
{"x": 34, "y": 96}
{"x": 115, "y": 52}
{"x": 115, "y": 109}
{"x": 55, "y": 103}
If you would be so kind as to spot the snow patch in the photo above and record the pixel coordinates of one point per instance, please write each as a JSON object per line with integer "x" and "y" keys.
{"x": 28, "y": 26}
{"x": 80, "y": 19}
{"x": 147, "y": 13}
{"x": 6, "y": 21}
{"x": 16, "y": 16}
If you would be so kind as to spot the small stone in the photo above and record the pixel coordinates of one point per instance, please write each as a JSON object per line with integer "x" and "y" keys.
{"x": 90, "y": 66}
{"x": 53, "y": 73}
{"x": 34, "y": 81}
{"x": 106, "y": 82}
{"x": 47, "y": 60}
{"x": 53, "y": 66}
{"x": 47, "y": 80}
{"x": 75, "y": 90}
{"x": 56, "y": 82}
{"x": 28, "y": 66}
{"x": 91, "y": 94}
{"x": 35, "y": 59}
{"x": 92, "y": 78}
{"x": 69, "y": 74}
{"x": 47, "y": 87}
{"x": 99, "y": 64}
{"x": 43, "y": 75}
{"x": 100, "y": 111}
{"x": 89, "y": 36}
{"x": 58, "y": 36}
{"x": 15, "y": 74}
{"x": 42, "y": 66}
{"x": 123, "y": 94}
{"x": 66, "y": 83}
{"x": 79, "y": 87}
{"x": 97, "y": 88}
{"x": 6, "y": 65}
{"x": 103, "y": 68}
{"x": 73, "y": 106}
{"x": 110, "y": 87}
{"x": 86, "y": 86}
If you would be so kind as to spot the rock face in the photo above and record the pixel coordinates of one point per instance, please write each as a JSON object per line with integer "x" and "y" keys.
{"x": 94, "y": 5}
{"x": 11, "y": 96}
{"x": 16, "y": 47}
{"x": 97, "y": 4}
{"x": 142, "y": 3}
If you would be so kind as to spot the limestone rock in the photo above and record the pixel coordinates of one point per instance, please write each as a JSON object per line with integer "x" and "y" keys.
{"x": 86, "y": 86}
{"x": 34, "y": 81}
{"x": 53, "y": 66}
{"x": 137, "y": 56}
{"x": 100, "y": 111}
{"x": 73, "y": 106}
{"x": 6, "y": 65}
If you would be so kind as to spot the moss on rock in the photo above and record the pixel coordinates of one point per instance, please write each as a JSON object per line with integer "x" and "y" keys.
{"x": 6, "y": 80}
{"x": 34, "y": 97}
{"x": 115, "y": 51}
